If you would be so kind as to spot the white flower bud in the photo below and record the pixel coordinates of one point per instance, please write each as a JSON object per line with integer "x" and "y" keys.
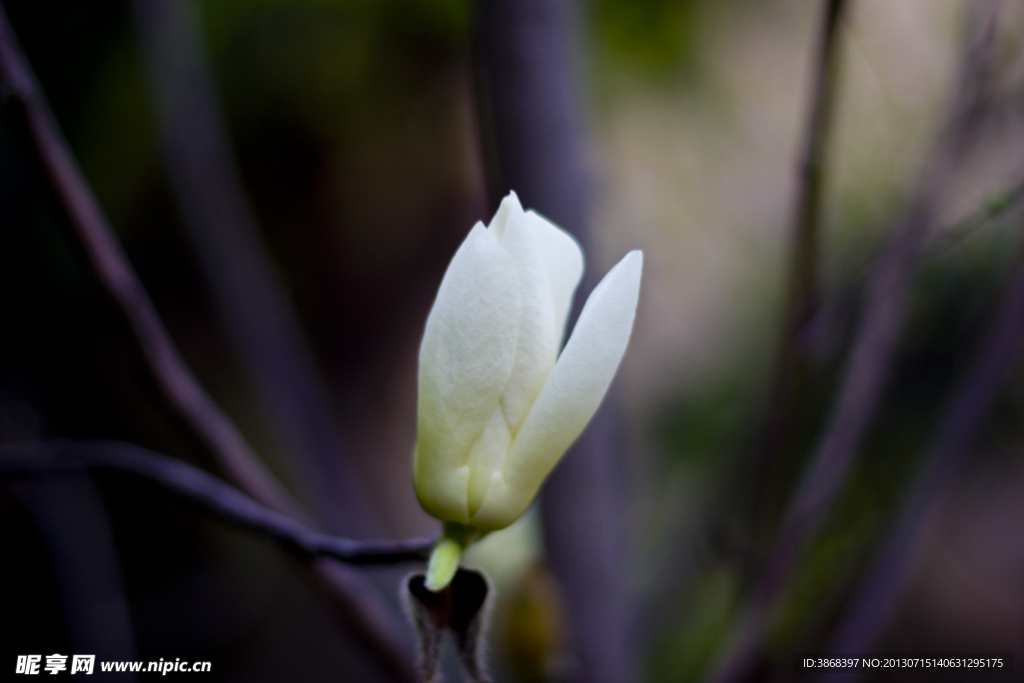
{"x": 498, "y": 405}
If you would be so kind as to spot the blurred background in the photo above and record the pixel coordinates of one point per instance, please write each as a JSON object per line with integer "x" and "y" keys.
{"x": 359, "y": 148}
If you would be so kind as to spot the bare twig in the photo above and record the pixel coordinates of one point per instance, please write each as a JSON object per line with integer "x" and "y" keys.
{"x": 251, "y": 299}
{"x": 949, "y": 237}
{"x": 524, "y": 50}
{"x": 180, "y": 387}
{"x": 995, "y": 207}
{"x": 118, "y": 278}
{"x": 790, "y": 372}
{"x": 208, "y": 492}
{"x": 875, "y": 601}
{"x": 869, "y": 358}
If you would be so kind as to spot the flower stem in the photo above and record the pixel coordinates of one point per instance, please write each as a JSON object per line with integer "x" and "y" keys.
{"x": 444, "y": 561}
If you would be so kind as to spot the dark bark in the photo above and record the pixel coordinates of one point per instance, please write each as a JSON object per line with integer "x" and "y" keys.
{"x": 462, "y": 608}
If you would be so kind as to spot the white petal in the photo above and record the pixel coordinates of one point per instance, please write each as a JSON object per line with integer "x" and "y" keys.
{"x": 509, "y": 205}
{"x": 466, "y": 359}
{"x": 571, "y": 396}
{"x": 487, "y": 457}
{"x": 538, "y": 339}
{"x": 564, "y": 260}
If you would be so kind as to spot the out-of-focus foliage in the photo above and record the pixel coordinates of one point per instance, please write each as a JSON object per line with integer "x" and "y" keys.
{"x": 705, "y": 530}
{"x": 710, "y": 432}
{"x": 659, "y": 37}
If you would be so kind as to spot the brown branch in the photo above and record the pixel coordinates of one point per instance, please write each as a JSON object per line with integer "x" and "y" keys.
{"x": 869, "y": 359}
{"x": 210, "y": 493}
{"x": 180, "y": 387}
{"x": 789, "y": 378}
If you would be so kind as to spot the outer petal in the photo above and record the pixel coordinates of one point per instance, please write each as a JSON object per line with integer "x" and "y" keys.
{"x": 564, "y": 261}
{"x": 465, "y": 362}
{"x": 570, "y": 397}
{"x": 538, "y": 339}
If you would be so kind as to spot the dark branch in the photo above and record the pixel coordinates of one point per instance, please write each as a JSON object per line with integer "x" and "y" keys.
{"x": 947, "y": 451}
{"x": 117, "y": 277}
{"x": 251, "y": 299}
{"x": 180, "y": 387}
{"x": 948, "y": 237}
{"x": 994, "y": 208}
{"x": 785, "y": 395}
{"x": 873, "y": 348}
{"x": 210, "y": 493}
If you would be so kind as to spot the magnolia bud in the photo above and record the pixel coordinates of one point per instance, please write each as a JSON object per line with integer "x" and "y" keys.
{"x": 498, "y": 404}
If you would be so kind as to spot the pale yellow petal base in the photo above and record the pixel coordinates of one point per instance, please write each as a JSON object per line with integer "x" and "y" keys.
{"x": 444, "y": 560}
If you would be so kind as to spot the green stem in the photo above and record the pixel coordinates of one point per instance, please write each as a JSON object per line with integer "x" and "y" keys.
{"x": 444, "y": 561}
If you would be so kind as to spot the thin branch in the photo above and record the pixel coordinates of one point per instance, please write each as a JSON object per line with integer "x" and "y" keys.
{"x": 115, "y": 273}
{"x": 995, "y": 207}
{"x": 210, "y": 493}
{"x": 250, "y": 297}
{"x": 180, "y": 387}
{"x": 869, "y": 359}
{"x": 785, "y": 395}
{"x": 252, "y": 300}
{"x": 947, "y": 238}
{"x": 877, "y": 598}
